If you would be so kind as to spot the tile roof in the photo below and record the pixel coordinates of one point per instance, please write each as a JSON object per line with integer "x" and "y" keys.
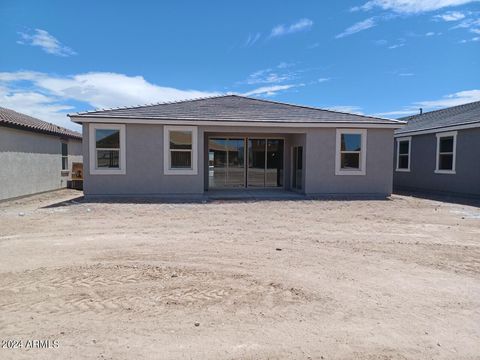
{"x": 232, "y": 108}
{"x": 18, "y": 120}
{"x": 452, "y": 116}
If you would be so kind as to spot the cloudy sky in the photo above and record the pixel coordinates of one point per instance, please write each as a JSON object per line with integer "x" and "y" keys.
{"x": 382, "y": 57}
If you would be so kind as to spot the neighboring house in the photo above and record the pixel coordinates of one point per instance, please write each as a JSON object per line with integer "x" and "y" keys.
{"x": 439, "y": 151}
{"x": 35, "y": 156}
{"x": 234, "y": 142}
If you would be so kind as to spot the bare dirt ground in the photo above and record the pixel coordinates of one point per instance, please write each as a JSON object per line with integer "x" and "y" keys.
{"x": 396, "y": 279}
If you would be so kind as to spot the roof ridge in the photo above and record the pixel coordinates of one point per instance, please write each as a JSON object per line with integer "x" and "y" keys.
{"x": 314, "y": 108}
{"x": 153, "y": 104}
{"x": 411, "y": 117}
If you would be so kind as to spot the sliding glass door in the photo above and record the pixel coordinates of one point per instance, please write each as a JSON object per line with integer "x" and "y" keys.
{"x": 226, "y": 163}
{"x": 227, "y": 167}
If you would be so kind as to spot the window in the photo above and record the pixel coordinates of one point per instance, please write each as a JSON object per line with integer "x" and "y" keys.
{"x": 64, "y": 156}
{"x": 351, "y": 152}
{"x": 446, "y": 149}
{"x": 180, "y": 150}
{"x": 107, "y": 149}
{"x": 403, "y": 154}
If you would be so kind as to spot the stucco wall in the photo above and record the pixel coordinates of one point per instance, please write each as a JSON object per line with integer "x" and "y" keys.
{"x": 422, "y": 176}
{"x": 144, "y": 167}
{"x": 320, "y": 165}
{"x": 31, "y": 162}
{"x": 144, "y": 162}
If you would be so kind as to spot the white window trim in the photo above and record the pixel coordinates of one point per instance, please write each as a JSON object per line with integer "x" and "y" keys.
{"x": 409, "y": 139}
{"x": 167, "y": 170}
{"x": 122, "y": 170}
{"x": 442, "y": 135}
{"x": 363, "y": 152}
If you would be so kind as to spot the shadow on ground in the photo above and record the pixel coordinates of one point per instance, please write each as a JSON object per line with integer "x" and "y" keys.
{"x": 447, "y": 198}
{"x": 211, "y": 198}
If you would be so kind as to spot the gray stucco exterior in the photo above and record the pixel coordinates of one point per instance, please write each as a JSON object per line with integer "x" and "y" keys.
{"x": 422, "y": 176}
{"x": 145, "y": 155}
{"x": 31, "y": 162}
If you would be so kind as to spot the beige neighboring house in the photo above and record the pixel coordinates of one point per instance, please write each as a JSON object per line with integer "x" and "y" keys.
{"x": 35, "y": 156}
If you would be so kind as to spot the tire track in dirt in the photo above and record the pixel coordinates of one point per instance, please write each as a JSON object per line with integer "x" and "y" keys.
{"x": 110, "y": 289}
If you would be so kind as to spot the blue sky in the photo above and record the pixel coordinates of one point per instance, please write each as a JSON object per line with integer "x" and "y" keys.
{"x": 383, "y": 57}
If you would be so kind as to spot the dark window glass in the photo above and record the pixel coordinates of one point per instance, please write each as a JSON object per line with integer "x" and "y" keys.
{"x": 107, "y": 139}
{"x": 446, "y": 144}
{"x": 403, "y": 147}
{"x": 64, "y": 156}
{"x": 350, "y": 161}
{"x": 180, "y": 140}
{"x": 107, "y": 159}
{"x": 403, "y": 162}
{"x": 64, "y": 149}
{"x": 300, "y": 158}
{"x": 445, "y": 162}
{"x": 351, "y": 142}
{"x": 180, "y": 159}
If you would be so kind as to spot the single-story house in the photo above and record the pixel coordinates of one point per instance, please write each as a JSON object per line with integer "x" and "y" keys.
{"x": 35, "y": 156}
{"x": 439, "y": 151}
{"x": 234, "y": 142}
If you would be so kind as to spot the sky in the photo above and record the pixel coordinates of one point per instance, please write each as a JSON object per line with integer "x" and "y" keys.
{"x": 379, "y": 57}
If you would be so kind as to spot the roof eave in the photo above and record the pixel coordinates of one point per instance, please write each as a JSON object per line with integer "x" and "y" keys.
{"x": 80, "y": 119}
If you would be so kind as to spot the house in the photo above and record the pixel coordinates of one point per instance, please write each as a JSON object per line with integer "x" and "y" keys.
{"x": 234, "y": 142}
{"x": 439, "y": 151}
{"x": 35, "y": 156}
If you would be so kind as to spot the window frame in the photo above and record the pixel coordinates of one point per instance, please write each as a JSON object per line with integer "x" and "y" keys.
{"x": 167, "y": 169}
{"x": 454, "y": 152}
{"x": 122, "y": 169}
{"x": 64, "y": 157}
{"x": 399, "y": 140}
{"x": 363, "y": 152}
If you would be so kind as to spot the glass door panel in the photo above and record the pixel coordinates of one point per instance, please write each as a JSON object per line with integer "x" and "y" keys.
{"x": 236, "y": 163}
{"x": 256, "y": 163}
{"x": 274, "y": 171}
{"x": 217, "y": 163}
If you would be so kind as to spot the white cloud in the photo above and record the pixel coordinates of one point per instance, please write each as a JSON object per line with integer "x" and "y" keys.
{"x": 47, "y": 97}
{"x": 474, "y": 39}
{"x": 396, "y": 46}
{"x": 270, "y": 90}
{"x": 346, "y": 109}
{"x": 451, "y": 16}
{"x": 458, "y": 98}
{"x": 473, "y": 25}
{"x": 300, "y": 25}
{"x": 281, "y": 73}
{"x": 46, "y": 42}
{"x": 321, "y": 80}
{"x": 37, "y": 105}
{"x": 430, "y": 33}
{"x": 268, "y": 76}
{"x": 406, "y": 74}
{"x": 410, "y": 6}
{"x": 355, "y": 28}
{"x": 252, "y": 39}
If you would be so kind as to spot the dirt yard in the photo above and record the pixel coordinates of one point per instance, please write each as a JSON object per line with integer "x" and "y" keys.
{"x": 396, "y": 279}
